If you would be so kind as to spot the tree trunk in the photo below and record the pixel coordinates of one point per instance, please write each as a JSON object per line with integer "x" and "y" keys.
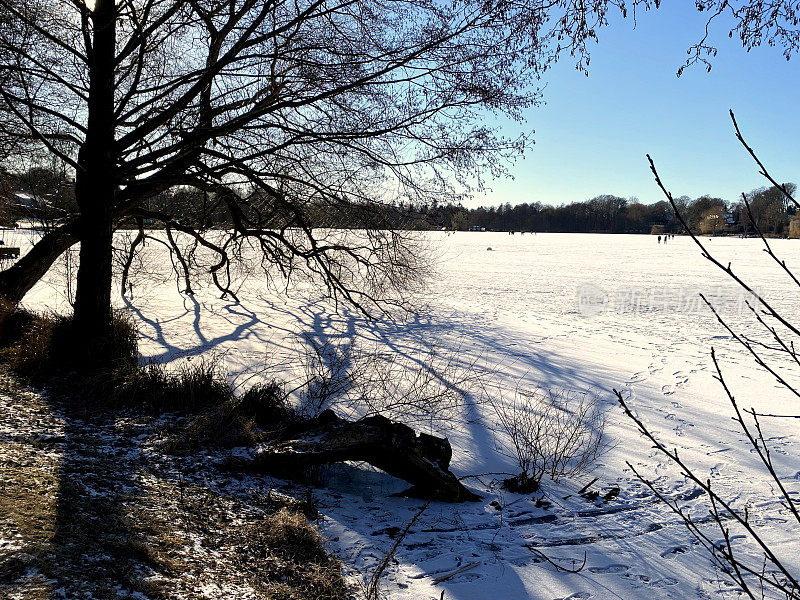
{"x": 95, "y": 190}
{"x": 19, "y": 278}
{"x": 92, "y": 318}
{"x": 422, "y": 460}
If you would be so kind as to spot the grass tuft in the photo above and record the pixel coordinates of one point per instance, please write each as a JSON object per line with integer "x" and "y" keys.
{"x": 297, "y": 559}
{"x": 191, "y": 388}
{"x": 260, "y": 412}
{"x": 40, "y": 346}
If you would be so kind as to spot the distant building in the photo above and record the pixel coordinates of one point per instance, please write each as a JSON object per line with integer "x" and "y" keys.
{"x": 714, "y": 222}
{"x": 477, "y": 228}
{"x": 794, "y": 228}
{"x": 657, "y": 230}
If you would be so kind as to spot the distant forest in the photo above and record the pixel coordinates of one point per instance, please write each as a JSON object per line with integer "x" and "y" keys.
{"x": 47, "y": 195}
{"x": 613, "y": 214}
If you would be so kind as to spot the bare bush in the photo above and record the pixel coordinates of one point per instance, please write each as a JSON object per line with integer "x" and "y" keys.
{"x": 553, "y": 433}
{"x": 416, "y": 384}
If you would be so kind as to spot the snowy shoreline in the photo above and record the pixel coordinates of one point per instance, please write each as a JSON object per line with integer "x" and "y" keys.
{"x": 523, "y": 312}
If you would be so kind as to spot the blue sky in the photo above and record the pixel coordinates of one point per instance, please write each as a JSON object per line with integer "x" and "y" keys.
{"x": 592, "y": 135}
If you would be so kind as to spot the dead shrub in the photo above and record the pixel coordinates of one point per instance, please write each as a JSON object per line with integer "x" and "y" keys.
{"x": 238, "y": 421}
{"x": 550, "y": 433}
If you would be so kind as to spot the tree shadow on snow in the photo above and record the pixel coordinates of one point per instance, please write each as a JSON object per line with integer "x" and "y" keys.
{"x": 80, "y": 482}
{"x": 448, "y": 536}
{"x": 243, "y": 326}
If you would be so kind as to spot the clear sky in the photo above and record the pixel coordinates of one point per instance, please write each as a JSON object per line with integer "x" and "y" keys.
{"x": 592, "y": 135}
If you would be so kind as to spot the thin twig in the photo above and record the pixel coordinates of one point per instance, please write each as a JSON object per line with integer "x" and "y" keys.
{"x": 373, "y": 588}
{"x": 556, "y": 565}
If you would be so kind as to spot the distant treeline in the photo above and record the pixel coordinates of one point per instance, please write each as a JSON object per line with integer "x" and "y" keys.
{"x": 48, "y": 195}
{"x": 614, "y": 214}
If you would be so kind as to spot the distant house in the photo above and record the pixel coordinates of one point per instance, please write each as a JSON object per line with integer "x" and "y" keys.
{"x": 794, "y": 228}
{"x": 711, "y": 223}
{"x": 657, "y": 230}
{"x": 715, "y": 221}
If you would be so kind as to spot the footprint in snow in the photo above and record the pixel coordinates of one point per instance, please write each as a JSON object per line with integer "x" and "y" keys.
{"x": 674, "y": 551}
{"x": 614, "y": 568}
{"x": 578, "y": 596}
{"x": 637, "y": 377}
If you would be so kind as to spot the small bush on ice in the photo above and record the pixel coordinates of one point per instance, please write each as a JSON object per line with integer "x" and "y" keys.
{"x": 550, "y": 433}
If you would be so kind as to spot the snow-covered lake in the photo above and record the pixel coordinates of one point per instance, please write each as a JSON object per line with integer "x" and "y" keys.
{"x": 556, "y": 311}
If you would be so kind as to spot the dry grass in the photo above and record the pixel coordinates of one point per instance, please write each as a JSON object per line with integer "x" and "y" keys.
{"x": 29, "y": 483}
{"x": 38, "y": 345}
{"x": 94, "y": 510}
{"x": 155, "y": 388}
{"x": 297, "y": 566}
{"x": 27, "y": 510}
{"x": 237, "y": 421}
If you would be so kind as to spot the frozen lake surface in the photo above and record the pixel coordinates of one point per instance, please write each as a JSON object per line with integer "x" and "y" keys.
{"x": 572, "y": 312}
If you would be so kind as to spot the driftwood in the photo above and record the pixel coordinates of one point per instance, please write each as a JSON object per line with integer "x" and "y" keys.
{"x": 422, "y": 460}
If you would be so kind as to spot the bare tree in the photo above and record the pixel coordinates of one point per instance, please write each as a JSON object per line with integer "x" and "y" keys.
{"x": 271, "y": 110}
{"x": 775, "y": 573}
{"x": 768, "y": 209}
{"x": 50, "y": 196}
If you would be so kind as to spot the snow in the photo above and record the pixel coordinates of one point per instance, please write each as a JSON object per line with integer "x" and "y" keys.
{"x": 555, "y": 311}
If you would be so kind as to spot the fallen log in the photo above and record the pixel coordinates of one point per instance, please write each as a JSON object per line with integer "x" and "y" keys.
{"x": 422, "y": 460}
